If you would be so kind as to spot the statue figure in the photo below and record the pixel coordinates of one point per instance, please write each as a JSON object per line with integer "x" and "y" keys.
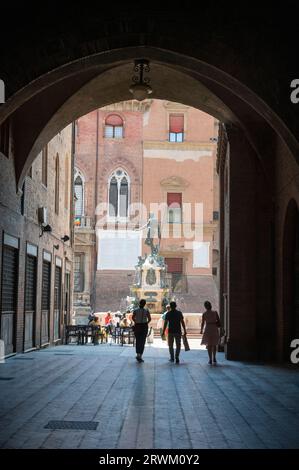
{"x": 151, "y": 277}
{"x": 140, "y": 261}
{"x": 153, "y": 226}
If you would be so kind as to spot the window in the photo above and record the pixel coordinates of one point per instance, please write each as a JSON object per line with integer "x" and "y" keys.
{"x": 118, "y": 194}
{"x": 57, "y": 185}
{"x": 79, "y": 194}
{"x": 114, "y": 127}
{"x": 79, "y": 272}
{"x": 174, "y": 203}
{"x": 176, "y": 128}
{"x": 66, "y": 182}
{"x": 45, "y": 165}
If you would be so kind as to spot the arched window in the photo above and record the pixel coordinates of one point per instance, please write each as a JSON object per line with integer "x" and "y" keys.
{"x": 79, "y": 194}
{"x": 114, "y": 127}
{"x": 66, "y": 182}
{"x": 118, "y": 193}
{"x": 57, "y": 184}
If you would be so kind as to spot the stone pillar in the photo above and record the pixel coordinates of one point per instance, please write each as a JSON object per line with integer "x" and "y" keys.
{"x": 242, "y": 249}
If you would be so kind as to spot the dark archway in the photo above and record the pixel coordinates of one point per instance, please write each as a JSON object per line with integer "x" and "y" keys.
{"x": 290, "y": 277}
{"x": 229, "y": 62}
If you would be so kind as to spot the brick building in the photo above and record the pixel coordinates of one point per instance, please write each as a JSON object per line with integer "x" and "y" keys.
{"x": 159, "y": 154}
{"x": 36, "y": 248}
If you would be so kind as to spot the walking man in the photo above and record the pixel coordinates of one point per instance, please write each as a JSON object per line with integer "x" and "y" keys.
{"x": 175, "y": 321}
{"x": 141, "y": 318}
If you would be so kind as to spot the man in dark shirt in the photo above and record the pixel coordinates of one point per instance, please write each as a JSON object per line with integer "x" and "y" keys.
{"x": 175, "y": 320}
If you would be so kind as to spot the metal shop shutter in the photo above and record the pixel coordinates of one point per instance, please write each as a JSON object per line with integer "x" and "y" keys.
{"x": 46, "y": 285}
{"x": 9, "y": 280}
{"x": 30, "y": 289}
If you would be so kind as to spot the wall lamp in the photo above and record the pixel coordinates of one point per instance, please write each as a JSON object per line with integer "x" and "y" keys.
{"x": 45, "y": 228}
{"x": 140, "y": 87}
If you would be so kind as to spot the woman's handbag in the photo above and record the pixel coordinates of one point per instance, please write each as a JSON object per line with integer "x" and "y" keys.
{"x": 185, "y": 342}
{"x": 222, "y": 337}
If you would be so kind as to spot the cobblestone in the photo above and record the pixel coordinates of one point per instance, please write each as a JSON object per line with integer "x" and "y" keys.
{"x": 151, "y": 405}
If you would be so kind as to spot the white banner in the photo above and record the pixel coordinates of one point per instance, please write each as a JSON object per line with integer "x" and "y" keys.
{"x": 118, "y": 249}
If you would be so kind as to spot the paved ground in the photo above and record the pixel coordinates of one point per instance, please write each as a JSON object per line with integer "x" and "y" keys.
{"x": 152, "y": 405}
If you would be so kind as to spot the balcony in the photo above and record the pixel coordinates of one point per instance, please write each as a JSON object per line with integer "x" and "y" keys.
{"x": 84, "y": 222}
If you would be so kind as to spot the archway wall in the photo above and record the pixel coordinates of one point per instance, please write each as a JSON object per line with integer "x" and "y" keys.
{"x": 241, "y": 41}
{"x": 54, "y": 85}
{"x": 286, "y": 205}
{"x": 246, "y": 251}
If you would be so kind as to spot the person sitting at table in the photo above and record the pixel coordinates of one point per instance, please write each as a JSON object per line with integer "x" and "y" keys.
{"x": 108, "y": 322}
{"x": 124, "y": 322}
{"x": 117, "y": 317}
{"x": 97, "y": 331}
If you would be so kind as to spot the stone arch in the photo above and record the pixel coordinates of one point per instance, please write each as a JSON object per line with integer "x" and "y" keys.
{"x": 290, "y": 278}
{"x": 76, "y": 88}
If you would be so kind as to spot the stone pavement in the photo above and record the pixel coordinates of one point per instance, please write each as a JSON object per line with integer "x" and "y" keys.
{"x": 156, "y": 404}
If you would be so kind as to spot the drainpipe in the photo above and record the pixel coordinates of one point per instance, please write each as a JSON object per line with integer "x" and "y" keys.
{"x": 93, "y": 299}
{"x": 72, "y": 213}
{"x": 72, "y": 208}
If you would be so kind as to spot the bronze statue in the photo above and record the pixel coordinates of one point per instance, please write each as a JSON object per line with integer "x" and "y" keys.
{"x": 153, "y": 226}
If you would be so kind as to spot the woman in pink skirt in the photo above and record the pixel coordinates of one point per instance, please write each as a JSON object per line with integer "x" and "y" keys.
{"x": 211, "y": 324}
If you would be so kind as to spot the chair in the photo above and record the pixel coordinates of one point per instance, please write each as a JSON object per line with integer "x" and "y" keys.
{"x": 71, "y": 331}
{"x": 127, "y": 333}
{"x": 116, "y": 335}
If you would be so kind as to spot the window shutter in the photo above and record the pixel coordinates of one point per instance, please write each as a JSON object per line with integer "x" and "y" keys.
{"x": 176, "y": 123}
{"x": 174, "y": 198}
